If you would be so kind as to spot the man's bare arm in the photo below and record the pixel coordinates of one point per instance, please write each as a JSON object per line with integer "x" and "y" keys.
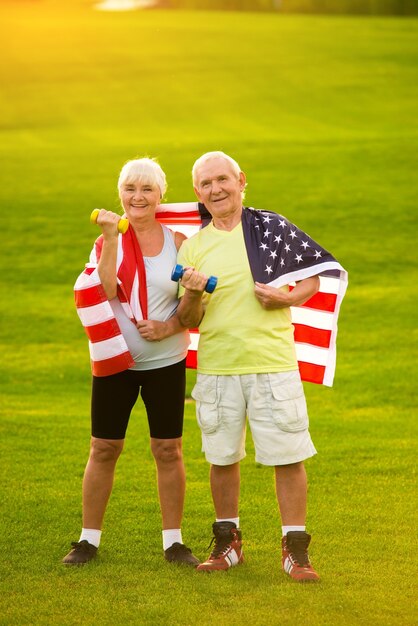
{"x": 273, "y": 298}
{"x": 190, "y": 310}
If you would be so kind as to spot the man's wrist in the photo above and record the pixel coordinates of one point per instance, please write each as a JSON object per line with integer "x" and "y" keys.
{"x": 193, "y": 294}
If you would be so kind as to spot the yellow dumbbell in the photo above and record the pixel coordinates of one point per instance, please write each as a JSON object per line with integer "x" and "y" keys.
{"x": 123, "y": 224}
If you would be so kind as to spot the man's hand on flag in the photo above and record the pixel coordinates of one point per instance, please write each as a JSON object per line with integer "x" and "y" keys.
{"x": 271, "y": 297}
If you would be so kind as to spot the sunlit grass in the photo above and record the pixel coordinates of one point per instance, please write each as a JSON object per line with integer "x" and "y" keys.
{"x": 321, "y": 114}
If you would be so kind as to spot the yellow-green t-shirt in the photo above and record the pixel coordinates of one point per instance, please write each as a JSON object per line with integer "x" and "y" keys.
{"x": 237, "y": 336}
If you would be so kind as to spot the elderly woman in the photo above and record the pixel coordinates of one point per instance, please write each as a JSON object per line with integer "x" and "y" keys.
{"x": 138, "y": 347}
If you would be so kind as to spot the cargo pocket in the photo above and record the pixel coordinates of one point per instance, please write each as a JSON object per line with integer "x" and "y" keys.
{"x": 289, "y": 405}
{"x": 205, "y": 394}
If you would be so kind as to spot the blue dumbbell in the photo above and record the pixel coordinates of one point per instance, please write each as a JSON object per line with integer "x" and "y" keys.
{"x": 178, "y": 272}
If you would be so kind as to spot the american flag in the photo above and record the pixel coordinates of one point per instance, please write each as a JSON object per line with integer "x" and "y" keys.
{"x": 109, "y": 353}
{"x": 279, "y": 254}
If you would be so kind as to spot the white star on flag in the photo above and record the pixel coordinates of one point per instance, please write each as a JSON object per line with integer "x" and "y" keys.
{"x": 298, "y": 258}
{"x": 304, "y": 245}
{"x": 268, "y": 269}
{"x": 263, "y": 246}
{"x": 292, "y": 234}
{"x": 278, "y": 239}
{"x": 317, "y": 254}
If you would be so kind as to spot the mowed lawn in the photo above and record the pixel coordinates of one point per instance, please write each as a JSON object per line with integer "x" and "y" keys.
{"x": 321, "y": 113}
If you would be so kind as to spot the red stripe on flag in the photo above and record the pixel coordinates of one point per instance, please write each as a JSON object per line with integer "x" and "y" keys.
{"x": 172, "y": 215}
{"x": 311, "y": 373}
{"x": 114, "y": 365}
{"x": 313, "y": 336}
{"x": 102, "y": 331}
{"x": 89, "y": 297}
{"x": 177, "y": 222}
{"x": 191, "y": 359}
{"x": 321, "y": 301}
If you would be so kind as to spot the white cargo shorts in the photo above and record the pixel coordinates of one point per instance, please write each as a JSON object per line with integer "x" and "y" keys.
{"x": 276, "y": 408}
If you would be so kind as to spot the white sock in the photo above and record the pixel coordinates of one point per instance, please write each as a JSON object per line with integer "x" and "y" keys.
{"x": 235, "y": 520}
{"x": 91, "y": 535}
{"x": 170, "y": 536}
{"x": 287, "y": 529}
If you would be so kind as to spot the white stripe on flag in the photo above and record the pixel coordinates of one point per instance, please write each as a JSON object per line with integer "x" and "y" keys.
{"x": 194, "y": 341}
{"x": 186, "y": 229}
{"x": 95, "y": 314}
{"x": 178, "y": 207}
{"x": 119, "y": 257}
{"x": 108, "y": 348}
{"x": 127, "y": 309}
{"x": 311, "y": 354}
{"x": 329, "y": 284}
{"x": 311, "y": 317}
{"x": 85, "y": 281}
{"x": 135, "y": 305}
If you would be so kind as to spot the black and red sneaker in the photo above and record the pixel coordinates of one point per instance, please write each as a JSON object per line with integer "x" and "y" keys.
{"x": 227, "y": 551}
{"x": 295, "y": 559}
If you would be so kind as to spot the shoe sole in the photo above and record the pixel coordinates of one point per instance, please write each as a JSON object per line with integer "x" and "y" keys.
{"x": 201, "y": 567}
{"x": 311, "y": 579}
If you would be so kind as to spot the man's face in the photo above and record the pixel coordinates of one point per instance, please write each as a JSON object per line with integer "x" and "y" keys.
{"x": 219, "y": 188}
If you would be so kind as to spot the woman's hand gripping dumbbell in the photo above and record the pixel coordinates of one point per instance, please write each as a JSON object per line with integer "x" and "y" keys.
{"x": 179, "y": 270}
{"x": 123, "y": 223}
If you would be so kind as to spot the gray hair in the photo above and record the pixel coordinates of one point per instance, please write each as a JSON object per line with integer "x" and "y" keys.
{"x": 146, "y": 170}
{"x": 208, "y": 156}
{"x": 217, "y": 154}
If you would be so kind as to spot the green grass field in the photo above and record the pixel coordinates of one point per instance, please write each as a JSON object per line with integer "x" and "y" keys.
{"x": 321, "y": 113}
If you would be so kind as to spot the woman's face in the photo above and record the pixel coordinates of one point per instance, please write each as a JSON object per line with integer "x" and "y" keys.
{"x": 139, "y": 199}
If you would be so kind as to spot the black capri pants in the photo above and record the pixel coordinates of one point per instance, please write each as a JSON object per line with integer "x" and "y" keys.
{"x": 162, "y": 390}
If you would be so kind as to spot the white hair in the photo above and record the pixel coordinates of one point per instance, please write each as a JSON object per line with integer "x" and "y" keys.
{"x": 217, "y": 154}
{"x": 146, "y": 170}
{"x": 208, "y": 156}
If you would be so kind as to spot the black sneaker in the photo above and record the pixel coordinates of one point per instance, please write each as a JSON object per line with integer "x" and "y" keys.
{"x": 179, "y": 553}
{"x": 82, "y": 552}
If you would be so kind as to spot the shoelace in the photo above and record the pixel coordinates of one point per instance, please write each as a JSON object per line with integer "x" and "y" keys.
{"x": 79, "y": 547}
{"x": 220, "y": 547}
{"x": 181, "y": 548}
{"x": 299, "y": 554}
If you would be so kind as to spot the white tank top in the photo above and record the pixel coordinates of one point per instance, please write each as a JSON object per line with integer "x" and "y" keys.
{"x": 162, "y": 304}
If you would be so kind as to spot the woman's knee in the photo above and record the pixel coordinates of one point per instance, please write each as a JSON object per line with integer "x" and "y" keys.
{"x": 105, "y": 450}
{"x": 166, "y": 451}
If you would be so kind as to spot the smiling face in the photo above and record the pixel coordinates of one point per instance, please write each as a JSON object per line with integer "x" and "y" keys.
{"x": 139, "y": 199}
{"x": 219, "y": 188}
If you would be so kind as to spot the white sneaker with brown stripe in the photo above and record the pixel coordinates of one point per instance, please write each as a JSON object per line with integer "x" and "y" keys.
{"x": 227, "y": 551}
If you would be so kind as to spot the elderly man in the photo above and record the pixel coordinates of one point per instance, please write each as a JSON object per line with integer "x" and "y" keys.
{"x": 246, "y": 358}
